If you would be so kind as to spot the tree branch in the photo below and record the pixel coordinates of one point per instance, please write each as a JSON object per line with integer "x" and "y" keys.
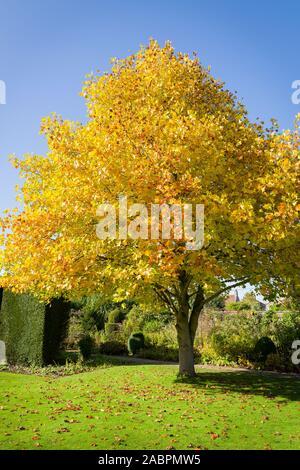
{"x": 216, "y": 294}
{"x": 164, "y": 297}
{"x": 197, "y": 307}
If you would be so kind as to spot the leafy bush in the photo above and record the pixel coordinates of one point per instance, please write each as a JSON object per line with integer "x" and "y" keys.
{"x": 275, "y": 361}
{"x": 113, "y": 324}
{"x": 110, "y": 329}
{"x": 92, "y": 321}
{"x": 115, "y": 316}
{"x": 208, "y": 355}
{"x": 97, "y": 310}
{"x": 93, "y": 315}
{"x": 163, "y": 337}
{"x": 135, "y": 342}
{"x": 113, "y": 348}
{"x": 217, "y": 303}
{"x": 286, "y": 329}
{"x": 139, "y": 335}
{"x": 152, "y": 326}
{"x": 159, "y": 353}
{"x": 241, "y": 339}
{"x": 133, "y": 322}
{"x": 238, "y": 306}
{"x": 235, "y": 337}
{"x": 141, "y": 320}
{"x": 86, "y": 345}
{"x": 75, "y": 330}
{"x": 263, "y": 348}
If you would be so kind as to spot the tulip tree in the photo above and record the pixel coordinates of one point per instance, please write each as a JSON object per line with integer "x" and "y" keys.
{"x": 160, "y": 129}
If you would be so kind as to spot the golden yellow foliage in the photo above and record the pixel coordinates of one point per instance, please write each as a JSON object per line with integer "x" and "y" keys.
{"x": 160, "y": 129}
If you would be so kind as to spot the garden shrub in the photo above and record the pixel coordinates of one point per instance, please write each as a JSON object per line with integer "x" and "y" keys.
{"x": 165, "y": 336}
{"x": 140, "y": 336}
{"x": 144, "y": 320}
{"x": 152, "y": 326}
{"x": 115, "y": 316}
{"x": 275, "y": 361}
{"x": 159, "y": 353}
{"x": 113, "y": 324}
{"x": 96, "y": 312}
{"x": 136, "y": 342}
{"x": 286, "y": 329}
{"x": 93, "y": 320}
{"x": 110, "y": 329}
{"x": 113, "y": 348}
{"x": 235, "y": 337}
{"x": 86, "y": 345}
{"x": 208, "y": 355}
{"x": 22, "y": 328}
{"x": 263, "y": 347}
{"x": 238, "y": 306}
{"x": 31, "y": 330}
{"x": 133, "y": 322}
{"x": 75, "y": 330}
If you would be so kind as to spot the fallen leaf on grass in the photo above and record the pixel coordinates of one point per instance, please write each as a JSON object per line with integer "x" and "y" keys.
{"x": 61, "y": 430}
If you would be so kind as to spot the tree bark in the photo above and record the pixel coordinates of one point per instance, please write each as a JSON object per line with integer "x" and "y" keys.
{"x": 186, "y": 346}
{"x": 187, "y": 318}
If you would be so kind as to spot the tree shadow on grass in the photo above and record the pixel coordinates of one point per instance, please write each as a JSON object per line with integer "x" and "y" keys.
{"x": 266, "y": 384}
{"x": 247, "y": 383}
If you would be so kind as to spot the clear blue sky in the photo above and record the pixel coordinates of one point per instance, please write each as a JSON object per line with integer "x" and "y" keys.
{"x": 47, "y": 47}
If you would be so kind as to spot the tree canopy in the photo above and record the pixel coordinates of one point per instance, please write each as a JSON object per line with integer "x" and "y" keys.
{"x": 160, "y": 129}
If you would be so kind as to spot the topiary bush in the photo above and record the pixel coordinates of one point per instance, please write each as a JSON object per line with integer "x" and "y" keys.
{"x": 263, "y": 347}
{"x": 140, "y": 336}
{"x": 96, "y": 312}
{"x": 113, "y": 323}
{"x": 32, "y": 331}
{"x": 136, "y": 342}
{"x": 86, "y": 345}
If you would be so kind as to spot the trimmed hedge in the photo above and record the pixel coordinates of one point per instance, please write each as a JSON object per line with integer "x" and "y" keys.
{"x": 32, "y": 331}
{"x": 57, "y": 315}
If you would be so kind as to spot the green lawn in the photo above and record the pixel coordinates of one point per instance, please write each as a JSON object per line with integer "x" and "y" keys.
{"x": 144, "y": 407}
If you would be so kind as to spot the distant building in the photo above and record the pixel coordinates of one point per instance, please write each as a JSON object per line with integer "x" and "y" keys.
{"x": 263, "y": 306}
{"x": 232, "y": 297}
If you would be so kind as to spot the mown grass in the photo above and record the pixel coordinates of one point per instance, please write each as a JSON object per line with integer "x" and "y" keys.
{"x": 146, "y": 407}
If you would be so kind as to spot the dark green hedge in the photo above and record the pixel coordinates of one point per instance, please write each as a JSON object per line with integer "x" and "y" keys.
{"x": 31, "y": 330}
{"x": 57, "y": 316}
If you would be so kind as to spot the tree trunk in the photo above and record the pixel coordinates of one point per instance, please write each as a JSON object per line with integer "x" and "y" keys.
{"x": 186, "y": 318}
{"x": 186, "y": 346}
